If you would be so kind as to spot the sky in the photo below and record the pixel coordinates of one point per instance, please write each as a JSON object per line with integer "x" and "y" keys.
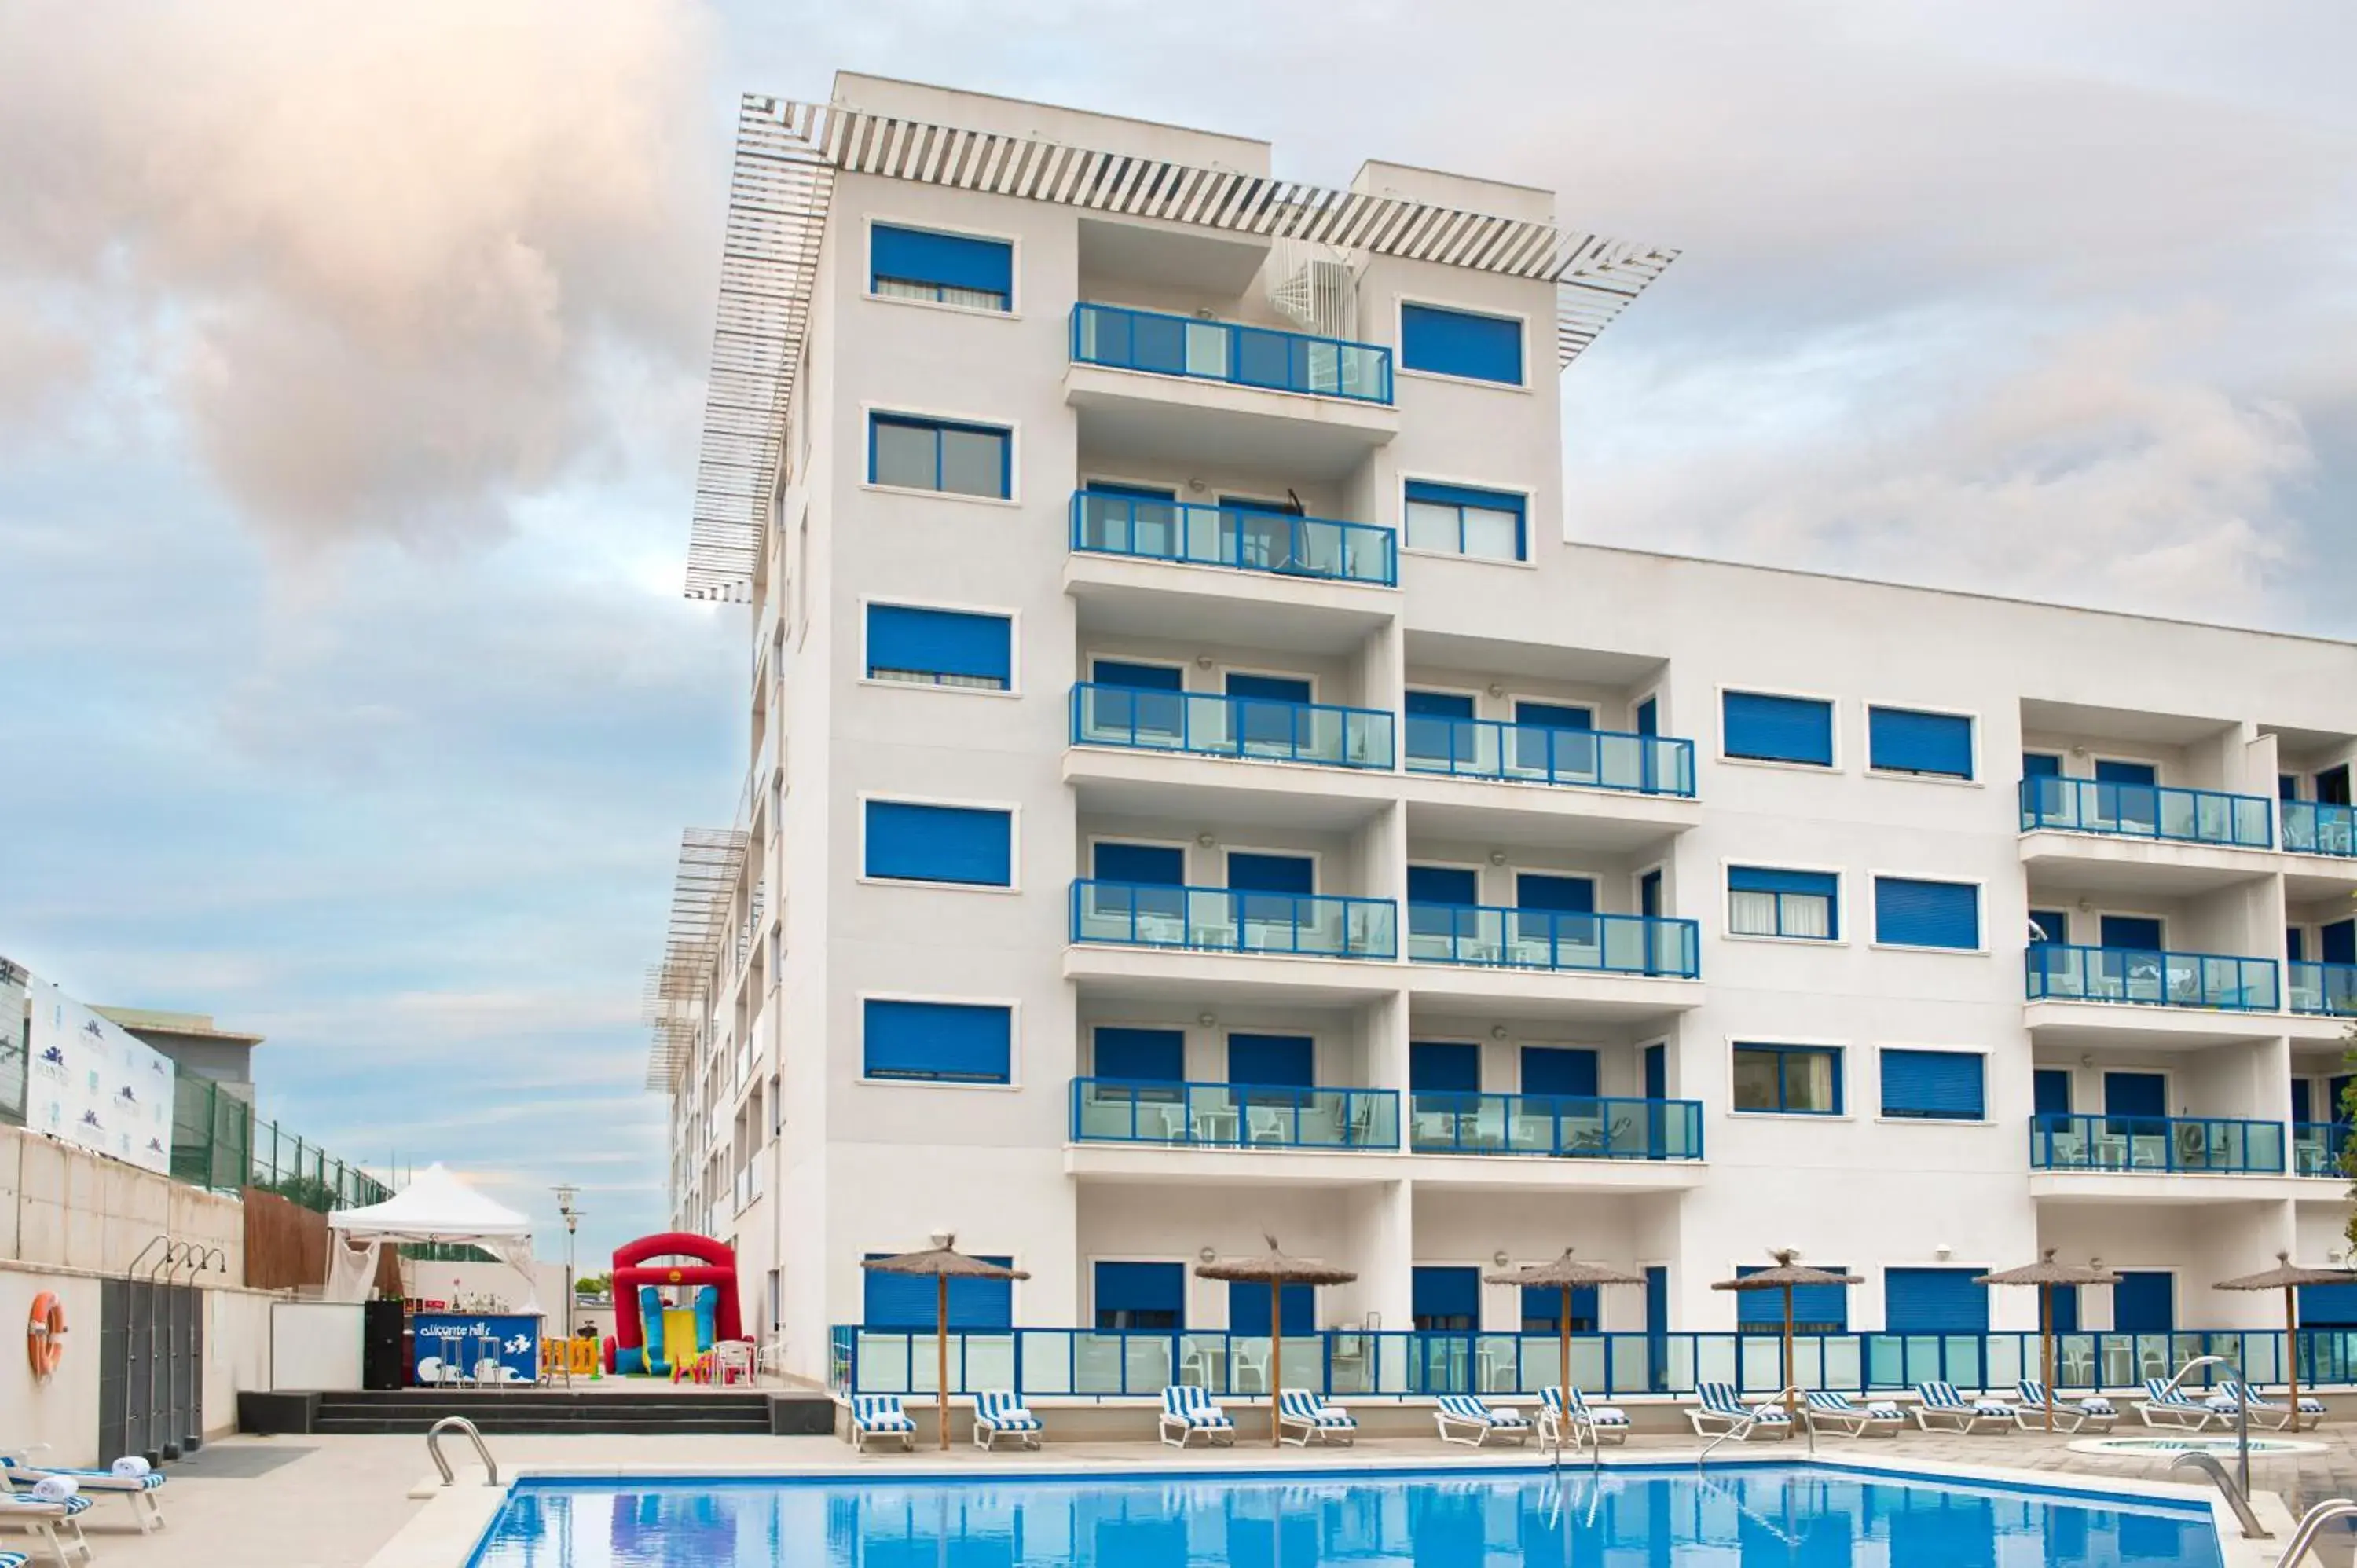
{"x": 351, "y": 360}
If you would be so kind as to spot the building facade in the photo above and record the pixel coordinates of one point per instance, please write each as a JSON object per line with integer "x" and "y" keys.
{"x": 1198, "y": 792}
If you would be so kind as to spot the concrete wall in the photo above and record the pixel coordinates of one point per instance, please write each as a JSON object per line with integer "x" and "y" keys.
{"x": 73, "y": 1209}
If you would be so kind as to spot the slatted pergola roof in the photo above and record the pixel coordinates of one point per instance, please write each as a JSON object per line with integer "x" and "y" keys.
{"x": 787, "y": 157}
{"x": 710, "y": 860}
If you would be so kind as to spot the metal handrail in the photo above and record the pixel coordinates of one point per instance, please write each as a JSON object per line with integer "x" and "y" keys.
{"x": 1742, "y": 1429}
{"x": 2311, "y": 1525}
{"x": 2242, "y": 1424}
{"x": 2237, "y": 1499}
{"x": 459, "y": 1423}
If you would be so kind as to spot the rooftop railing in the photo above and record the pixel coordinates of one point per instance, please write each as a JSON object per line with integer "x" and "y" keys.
{"x": 2163, "y": 1145}
{"x": 1233, "y": 1115}
{"x": 2058, "y": 972}
{"x": 1137, "y": 1364}
{"x": 1459, "y": 1122}
{"x": 1123, "y": 338}
{"x": 2314, "y": 827}
{"x": 1211, "y": 723}
{"x": 2327, "y": 989}
{"x": 1544, "y": 939}
{"x": 1539, "y": 754}
{"x": 1224, "y": 919}
{"x": 1244, "y": 539}
{"x": 2147, "y": 811}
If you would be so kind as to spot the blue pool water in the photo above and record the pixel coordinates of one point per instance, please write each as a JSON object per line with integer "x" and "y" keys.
{"x": 1738, "y": 1517}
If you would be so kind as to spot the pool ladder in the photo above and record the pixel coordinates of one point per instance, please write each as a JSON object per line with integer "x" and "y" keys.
{"x": 459, "y": 1423}
{"x": 2311, "y": 1525}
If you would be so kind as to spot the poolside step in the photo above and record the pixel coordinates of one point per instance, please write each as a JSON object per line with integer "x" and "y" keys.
{"x": 544, "y": 1412}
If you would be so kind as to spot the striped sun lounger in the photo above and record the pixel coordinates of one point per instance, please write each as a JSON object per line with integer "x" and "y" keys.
{"x": 878, "y": 1416}
{"x": 2071, "y": 1412}
{"x": 2165, "y": 1406}
{"x": 1566, "y": 1416}
{"x": 2265, "y": 1411}
{"x": 1941, "y": 1409}
{"x": 997, "y": 1414}
{"x": 1186, "y": 1411}
{"x": 1466, "y": 1413}
{"x": 1878, "y": 1418}
{"x": 55, "y": 1527}
{"x": 133, "y": 1481}
{"x": 1298, "y": 1410}
{"x": 1718, "y": 1408}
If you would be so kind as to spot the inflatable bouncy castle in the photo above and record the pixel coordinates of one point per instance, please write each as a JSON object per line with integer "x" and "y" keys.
{"x": 667, "y": 1312}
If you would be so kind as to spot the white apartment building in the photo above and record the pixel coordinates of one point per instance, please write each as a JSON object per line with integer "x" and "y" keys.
{"x": 1198, "y": 792}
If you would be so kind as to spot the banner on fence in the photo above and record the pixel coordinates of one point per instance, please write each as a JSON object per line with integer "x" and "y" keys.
{"x": 92, "y": 1084}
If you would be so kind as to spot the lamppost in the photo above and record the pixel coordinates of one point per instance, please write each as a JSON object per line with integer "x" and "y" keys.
{"x": 566, "y": 1196}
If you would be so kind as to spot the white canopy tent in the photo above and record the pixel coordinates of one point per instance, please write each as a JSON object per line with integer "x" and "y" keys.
{"x": 435, "y": 1206}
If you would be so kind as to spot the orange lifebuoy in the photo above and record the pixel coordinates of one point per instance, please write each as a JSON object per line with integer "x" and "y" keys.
{"x": 45, "y": 1335}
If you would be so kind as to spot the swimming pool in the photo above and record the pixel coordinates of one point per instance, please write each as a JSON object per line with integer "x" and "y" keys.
{"x": 1784, "y": 1515}
{"x": 2187, "y": 1443}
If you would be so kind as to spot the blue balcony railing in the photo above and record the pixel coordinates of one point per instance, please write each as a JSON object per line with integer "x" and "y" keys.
{"x": 2316, "y": 1147}
{"x": 2147, "y": 811}
{"x": 2329, "y": 990}
{"x": 2060, "y": 973}
{"x": 1137, "y": 1364}
{"x": 1538, "y": 753}
{"x": 2311, "y": 827}
{"x": 1233, "y": 1115}
{"x": 2064, "y": 1141}
{"x": 1453, "y": 1122}
{"x": 1248, "y": 539}
{"x": 1543, "y": 939}
{"x": 1210, "y": 723}
{"x": 1127, "y": 339}
{"x": 1221, "y": 920}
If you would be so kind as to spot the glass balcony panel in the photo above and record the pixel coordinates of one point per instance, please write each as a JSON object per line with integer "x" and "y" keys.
{"x": 1232, "y": 1115}
{"x": 1219, "y": 919}
{"x": 1535, "y": 753}
{"x": 1459, "y": 1122}
{"x": 2313, "y": 827}
{"x": 2056, "y": 971}
{"x": 1539, "y": 939}
{"x": 2147, "y": 810}
{"x": 1244, "y": 539}
{"x": 2316, "y": 1147}
{"x": 2326, "y": 989}
{"x": 2162, "y": 1144}
{"x": 1261, "y": 356}
{"x": 1210, "y": 724}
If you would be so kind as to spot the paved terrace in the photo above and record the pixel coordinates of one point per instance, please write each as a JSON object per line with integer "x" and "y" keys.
{"x": 336, "y": 1502}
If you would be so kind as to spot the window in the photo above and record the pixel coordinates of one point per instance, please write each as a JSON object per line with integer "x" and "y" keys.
{"x": 939, "y": 647}
{"x": 969, "y": 845}
{"x": 1933, "y": 1301}
{"x": 1935, "y": 1086}
{"x": 913, "y": 1302}
{"x": 1911, "y": 914}
{"x": 1453, "y": 520}
{"x": 1794, "y": 1080}
{"x": 943, "y": 1042}
{"x": 950, "y": 269}
{"x": 931, "y": 455}
{"x": 1938, "y": 745}
{"x": 1460, "y": 343}
{"x": 1762, "y": 728}
{"x": 1761, "y": 902}
{"x": 1444, "y": 1299}
{"x": 1141, "y": 1295}
{"x": 1817, "y": 1309}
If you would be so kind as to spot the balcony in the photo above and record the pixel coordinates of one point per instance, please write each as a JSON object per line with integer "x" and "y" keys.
{"x": 1233, "y": 1115}
{"x": 2316, "y": 1147}
{"x": 2205, "y": 1145}
{"x": 1555, "y": 1126}
{"x": 1222, "y": 920}
{"x": 1209, "y": 723}
{"x": 1119, "y": 337}
{"x": 1542, "y": 939}
{"x": 2312, "y": 827}
{"x": 2063, "y": 973}
{"x": 2147, "y": 811}
{"x": 1536, "y": 753}
{"x": 2323, "y": 990}
{"x": 1240, "y": 539}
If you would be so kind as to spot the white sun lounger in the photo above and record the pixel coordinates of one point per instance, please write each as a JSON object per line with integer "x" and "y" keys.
{"x": 1941, "y": 1404}
{"x": 56, "y": 1527}
{"x": 1298, "y": 1410}
{"x": 1880, "y": 1418}
{"x": 1566, "y": 1416}
{"x": 874, "y": 1417}
{"x": 1719, "y": 1409}
{"x": 2166, "y": 1406}
{"x": 137, "y": 1486}
{"x": 1187, "y": 1410}
{"x": 2071, "y": 1412}
{"x": 999, "y": 1412}
{"x": 1465, "y": 1412}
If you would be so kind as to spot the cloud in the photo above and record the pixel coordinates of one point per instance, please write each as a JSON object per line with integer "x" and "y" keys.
{"x": 374, "y": 265}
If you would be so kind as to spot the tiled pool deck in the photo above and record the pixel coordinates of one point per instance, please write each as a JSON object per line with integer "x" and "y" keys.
{"x": 336, "y": 1502}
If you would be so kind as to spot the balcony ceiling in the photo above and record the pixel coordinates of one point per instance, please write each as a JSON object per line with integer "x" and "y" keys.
{"x": 1220, "y": 267}
{"x": 1214, "y": 608}
{"x": 2063, "y": 865}
{"x": 1484, "y": 657}
{"x": 1207, "y": 427}
{"x": 2079, "y": 719}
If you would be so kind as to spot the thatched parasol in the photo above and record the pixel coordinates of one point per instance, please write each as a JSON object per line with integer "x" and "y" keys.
{"x": 2046, "y": 1275}
{"x": 1566, "y": 1275}
{"x": 1279, "y": 1270}
{"x": 1788, "y": 1272}
{"x": 2288, "y": 1277}
{"x": 945, "y": 1264}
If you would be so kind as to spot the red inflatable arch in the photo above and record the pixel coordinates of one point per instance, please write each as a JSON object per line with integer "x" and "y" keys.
{"x": 631, "y": 1270}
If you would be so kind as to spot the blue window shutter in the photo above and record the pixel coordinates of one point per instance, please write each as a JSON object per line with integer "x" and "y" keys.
{"x": 2301, "y": 1100}
{"x": 1142, "y": 1287}
{"x": 1152, "y": 864}
{"x": 1558, "y": 1069}
{"x": 1933, "y": 1301}
{"x": 952, "y": 261}
{"x": 1542, "y": 1309}
{"x": 2327, "y": 1307}
{"x": 1815, "y": 1305}
{"x": 1936, "y": 1085}
{"x": 2041, "y": 765}
{"x": 1275, "y": 1061}
{"x": 1449, "y": 1066}
{"x": 1271, "y": 873}
{"x": 1552, "y": 715}
{"x": 940, "y": 642}
{"x": 1900, "y": 741}
{"x": 2336, "y": 943}
{"x": 1248, "y": 1308}
{"x": 2051, "y": 1092}
{"x": 1147, "y": 1056}
{"x": 913, "y": 1301}
{"x": 1460, "y": 343}
{"x": 957, "y": 1042}
{"x": 2126, "y": 773}
{"x": 1138, "y": 677}
{"x": 1554, "y": 895}
{"x": 1442, "y": 1290}
{"x": 2052, "y": 927}
{"x": 1778, "y": 729}
{"x": 1909, "y": 913}
{"x": 1649, "y": 717}
{"x": 1768, "y": 879}
{"x": 939, "y": 843}
{"x": 1439, "y": 704}
{"x": 1443, "y": 884}
{"x": 1463, "y": 495}
{"x": 2139, "y": 933}
{"x": 1267, "y": 688}
{"x": 2135, "y": 1094}
{"x": 2145, "y": 1302}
